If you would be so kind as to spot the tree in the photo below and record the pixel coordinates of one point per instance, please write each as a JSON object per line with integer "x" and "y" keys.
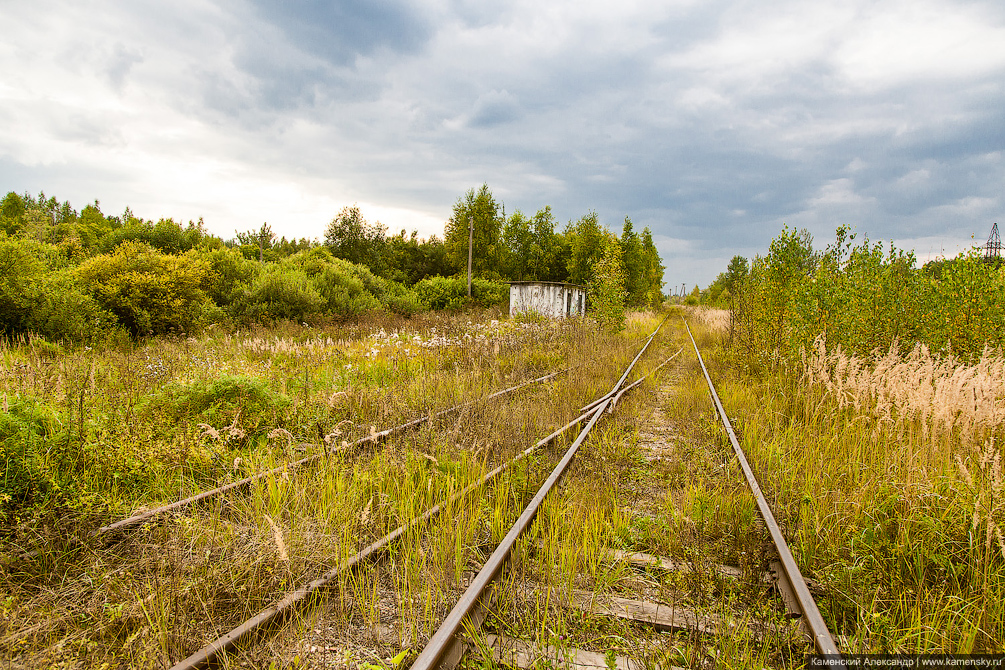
{"x": 607, "y": 287}
{"x": 285, "y": 248}
{"x": 411, "y": 259}
{"x": 736, "y": 272}
{"x": 636, "y": 288}
{"x": 587, "y": 240}
{"x": 546, "y": 262}
{"x": 482, "y": 209}
{"x": 12, "y": 210}
{"x": 351, "y": 237}
{"x": 92, "y": 225}
{"x": 262, "y": 238}
{"x": 517, "y": 247}
{"x": 652, "y": 270}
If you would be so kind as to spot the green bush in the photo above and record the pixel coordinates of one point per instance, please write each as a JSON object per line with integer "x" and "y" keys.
{"x": 283, "y": 293}
{"x": 607, "y": 288}
{"x": 218, "y": 402}
{"x": 39, "y": 295}
{"x": 25, "y": 482}
{"x": 64, "y": 313}
{"x": 406, "y": 302}
{"x": 148, "y": 291}
{"x": 345, "y": 294}
{"x": 971, "y": 310}
{"x": 349, "y": 289}
{"x": 864, "y": 298}
{"x": 19, "y": 272}
{"x": 166, "y": 235}
{"x": 452, "y": 292}
{"x": 230, "y": 276}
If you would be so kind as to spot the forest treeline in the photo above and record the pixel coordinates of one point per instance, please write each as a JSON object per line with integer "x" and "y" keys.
{"x": 863, "y": 297}
{"x": 81, "y": 276}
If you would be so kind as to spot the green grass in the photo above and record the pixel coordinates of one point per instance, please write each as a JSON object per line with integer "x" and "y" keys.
{"x": 878, "y": 512}
{"x": 131, "y": 419}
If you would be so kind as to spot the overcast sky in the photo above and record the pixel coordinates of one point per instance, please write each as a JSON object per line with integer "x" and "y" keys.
{"x": 711, "y": 122}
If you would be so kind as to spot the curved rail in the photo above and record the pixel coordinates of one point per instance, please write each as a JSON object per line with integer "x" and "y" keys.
{"x": 375, "y": 438}
{"x": 444, "y": 635}
{"x": 617, "y": 394}
{"x": 280, "y": 610}
{"x": 276, "y": 612}
{"x": 811, "y": 615}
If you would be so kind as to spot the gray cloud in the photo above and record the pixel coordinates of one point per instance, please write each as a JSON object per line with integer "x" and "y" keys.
{"x": 120, "y": 63}
{"x": 712, "y": 123}
{"x": 493, "y": 108}
{"x": 339, "y": 31}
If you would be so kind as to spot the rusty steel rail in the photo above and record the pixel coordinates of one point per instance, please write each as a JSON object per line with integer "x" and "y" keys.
{"x": 444, "y": 635}
{"x": 811, "y": 615}
{"x": 617, "y": 394}
{"x": 279, "y": 611}
{"x": 374, "y": 438}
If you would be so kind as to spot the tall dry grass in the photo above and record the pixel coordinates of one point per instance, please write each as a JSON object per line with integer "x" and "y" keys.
{"x": 941, "y": 396}
{"x": 885, "y": 473}
{"x": 712, "y": 318}
{"x": 156, "y": 595}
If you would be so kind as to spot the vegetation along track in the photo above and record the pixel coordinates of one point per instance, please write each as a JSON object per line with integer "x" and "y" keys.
{"x": 374, "y": 438}
{"x": 390, "y": 536}
{"x": 446, "y": 647}
{"x": 154, "y": 594}
{"x": 287, "y": 605}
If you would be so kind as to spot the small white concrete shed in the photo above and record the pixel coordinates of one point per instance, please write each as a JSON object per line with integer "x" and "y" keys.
{"x": 555, "y": 300}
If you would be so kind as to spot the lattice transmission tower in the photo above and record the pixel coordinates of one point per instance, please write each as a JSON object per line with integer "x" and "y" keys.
{"x": 993, "y": 249}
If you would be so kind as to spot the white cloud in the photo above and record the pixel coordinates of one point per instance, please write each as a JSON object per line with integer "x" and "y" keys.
{"x": 837, "y": 192}
{"x": 893, "y": 43}
{"x": 711, "y": 123}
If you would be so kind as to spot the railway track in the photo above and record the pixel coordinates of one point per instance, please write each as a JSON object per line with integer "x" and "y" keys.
{"x": 375, "y": 438}
{"x": 281, "y": 610}
{"x": 460, "y": 631}
{"x": 460, "y": 628}
{"x": 446, "y": 646}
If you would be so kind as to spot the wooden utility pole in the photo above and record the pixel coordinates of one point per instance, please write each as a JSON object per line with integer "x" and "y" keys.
{"x": 471, "y": 241}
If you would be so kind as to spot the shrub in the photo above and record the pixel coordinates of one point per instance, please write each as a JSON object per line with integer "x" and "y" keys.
{"x": 25, "y": 481}
{"x": 230, "y": 276}
{"x": 349, "y": 289}
{"x": 283, "y": 293}
{"x": 219, "y": 402}
{"x": 149, "y": 292}
{"x": 38, "y": 295}
{"x": 166, "y": 235}
{"x": 452, "y": 292}
{"x": 864, "y": 299}
{"x": 19, "y": 271}
{"x": 345, "y": 293}
{"x": 406, "y": 302}
{"x": 63, "y": 312}
{"x": 607, "y": 288}
{"x": 970, "y": 313}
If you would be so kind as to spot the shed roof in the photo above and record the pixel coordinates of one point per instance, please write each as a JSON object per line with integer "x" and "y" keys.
{"x": 545, "y": 283}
